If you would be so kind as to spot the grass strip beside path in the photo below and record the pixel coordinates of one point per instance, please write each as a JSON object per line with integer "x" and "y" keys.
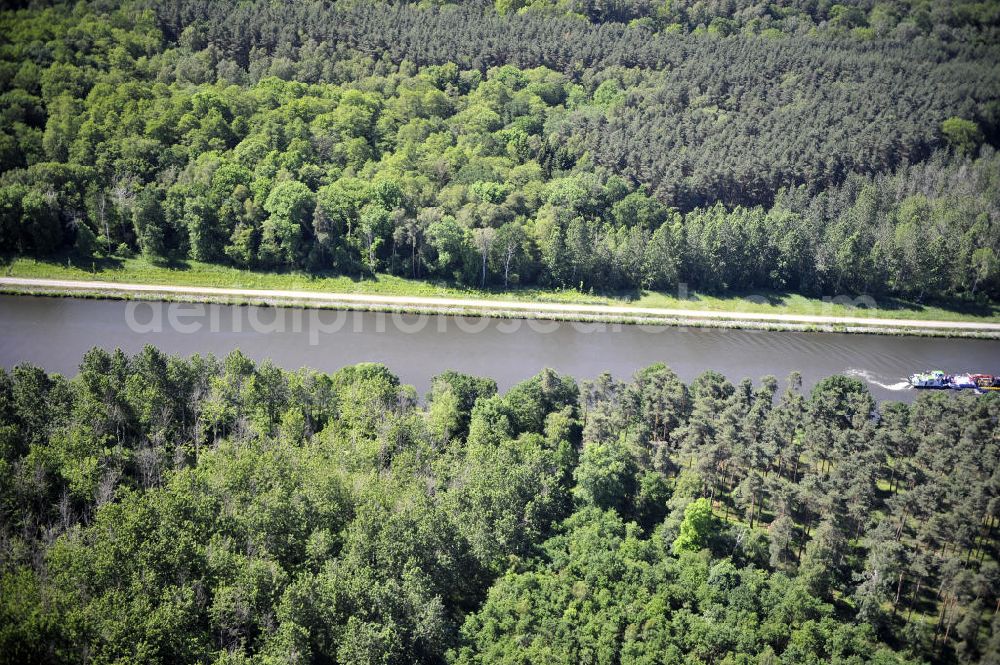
{"x": 761, "y": 307}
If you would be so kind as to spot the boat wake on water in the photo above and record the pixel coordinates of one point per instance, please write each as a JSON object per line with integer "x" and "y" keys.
{"x": 903, "y": 384}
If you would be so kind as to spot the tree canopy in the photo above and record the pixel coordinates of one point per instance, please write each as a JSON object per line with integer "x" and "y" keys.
{"x": 618, "y": 146}
{"x": 161, "y": 509}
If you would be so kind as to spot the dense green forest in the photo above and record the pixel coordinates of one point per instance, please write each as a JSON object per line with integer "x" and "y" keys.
{"x": 610, "y": 145}
{"x": 161, "y": 509}
{"x": 158, "y": 509}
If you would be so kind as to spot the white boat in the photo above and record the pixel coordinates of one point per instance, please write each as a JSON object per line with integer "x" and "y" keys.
{"x": 962, "y": 382}
{"x": 934, "y": 379}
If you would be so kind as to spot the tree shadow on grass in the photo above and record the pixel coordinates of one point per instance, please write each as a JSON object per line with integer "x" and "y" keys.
{"x": 980, "y": 306}
{"x": 172, "y": 264}
{"x": 91, "y": 263}
{"x": 975, "y": 307}
{"x": 860, "y": 304}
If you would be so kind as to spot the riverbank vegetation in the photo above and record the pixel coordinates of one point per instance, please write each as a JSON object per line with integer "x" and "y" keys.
{"x": 141, "y": 270}
{"x": 589, "y": 146}
{"x": 159, "y": 509}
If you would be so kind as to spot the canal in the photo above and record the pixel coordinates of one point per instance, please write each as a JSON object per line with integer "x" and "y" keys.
{"x": 54, "y": 333}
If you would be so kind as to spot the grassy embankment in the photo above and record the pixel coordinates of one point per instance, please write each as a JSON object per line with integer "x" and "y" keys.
{"x": 190, "y": 273}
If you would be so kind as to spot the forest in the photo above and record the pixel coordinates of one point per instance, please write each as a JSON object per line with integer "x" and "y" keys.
{"x": 165, "y": 509}
{"x": 609, "y": 146}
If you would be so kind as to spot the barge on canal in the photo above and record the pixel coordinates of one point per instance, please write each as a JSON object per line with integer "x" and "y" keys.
{"x": 938, "y": 380}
